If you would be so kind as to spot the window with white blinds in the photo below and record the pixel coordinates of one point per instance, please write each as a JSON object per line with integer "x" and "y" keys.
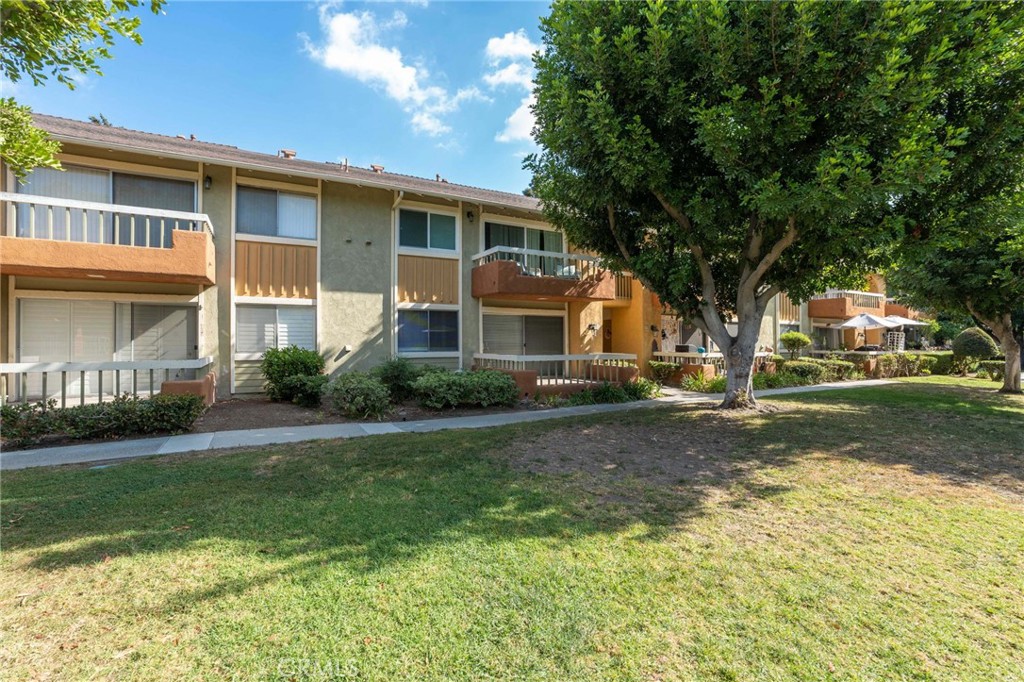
{"x": 270, "y": 213}
{"x": 259, "y": 327}
{"x": 524, "y": 334}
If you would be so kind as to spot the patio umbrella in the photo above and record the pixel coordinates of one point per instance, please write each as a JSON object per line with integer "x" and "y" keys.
{"x": 868, "y": 321}
{"x": 905, "y": 321}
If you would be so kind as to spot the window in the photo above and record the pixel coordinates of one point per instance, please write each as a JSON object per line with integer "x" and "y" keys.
{"x": 422, "y": 230}
{"x": 259, "y": 327}
{"x": 496, "y": 234}
{"x": 428, "y": 331}
{"x": 269, "y": 213}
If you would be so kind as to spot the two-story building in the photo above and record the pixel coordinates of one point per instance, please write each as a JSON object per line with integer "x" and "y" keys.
{"x": 150, "y": 257}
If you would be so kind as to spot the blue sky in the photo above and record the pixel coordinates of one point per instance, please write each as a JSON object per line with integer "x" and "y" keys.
{"x": 420, "y": 87}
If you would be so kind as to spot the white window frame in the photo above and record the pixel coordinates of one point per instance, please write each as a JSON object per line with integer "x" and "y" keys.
{"x": 276, "y": 304}
{"x": 453, "y": 254}
{"x": 457, "y": 353}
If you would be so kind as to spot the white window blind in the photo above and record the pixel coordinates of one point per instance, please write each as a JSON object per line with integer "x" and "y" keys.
{"x": 80, "y": 184}
{"x": 296, "y": 216}
{"x": 275, "y": 214}
{"x": 503, "y": 334}
{"x": 296, "y": 326}
{"x": 259, "y": 327}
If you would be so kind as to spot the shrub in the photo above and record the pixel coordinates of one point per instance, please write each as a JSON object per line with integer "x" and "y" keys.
{"x": 662, "y": 371}
{"x": 993, "y": 369}
{"x": 776, "y": 358}
{"x": 641, "y": 389}
{"x": 125, "y": 415}
{"x": 610, "y": 393}
{"x": 399, "y": 374}
{"x": 973, "y": 343}
{"x": 487, "y": 387}
{"x": 943, "y": 362}
{"x": 794, "y": 342}
{"x": 448, "y": 390}
{"x": 278, "y": 364}
{"x": 359, "y": 396}
{"x": 584, "y": 397}
{"x": 701, "y": 384}
{"x": 904, "y": 365}
{"x": 306, "y": 391}
{"x": 778, "y": 380}
{"x": 805, "y": 370}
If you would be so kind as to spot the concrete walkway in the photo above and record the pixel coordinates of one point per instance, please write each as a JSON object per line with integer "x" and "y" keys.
{"x": 192, "y": 442}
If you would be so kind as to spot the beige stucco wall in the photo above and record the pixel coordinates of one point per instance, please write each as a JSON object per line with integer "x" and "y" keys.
{"x": 215, "y": 302}
{"x": 470, "y": 306}
{"x": 355, "y": 277}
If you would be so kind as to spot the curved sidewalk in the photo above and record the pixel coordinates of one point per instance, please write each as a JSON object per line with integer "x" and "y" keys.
{"x": 192, "y": 442}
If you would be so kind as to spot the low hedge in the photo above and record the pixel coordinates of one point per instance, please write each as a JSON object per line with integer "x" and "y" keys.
{"x": 279, "y": 365}
{"x": 448, "y": 390}
{"x": 358, "y": 395}
{"x": 662, "y": 371}
{"x": 905, "y": 365}
{"x": 127, "y": 415}
{"x": 307, "y": 391}
{"x": 943, "y": 363}
{"x": 398, "y": 374}
{"x": 811, "y": 371}
{"x": 993, "y": 369}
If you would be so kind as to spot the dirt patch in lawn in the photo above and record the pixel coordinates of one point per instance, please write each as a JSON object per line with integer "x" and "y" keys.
{"x": 261, "y": 413}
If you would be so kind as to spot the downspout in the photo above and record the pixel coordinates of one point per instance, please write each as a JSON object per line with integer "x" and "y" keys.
{"x": 393, "y": 346}
{"x": 398, "y": 199}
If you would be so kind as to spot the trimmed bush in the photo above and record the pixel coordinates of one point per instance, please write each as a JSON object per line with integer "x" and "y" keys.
{"x": 805, "y": 370}
{"x": 905, "y": 365}
{"x": 641, "y": 389}
{"x": 399, "y": 374}
{"x": 307, "y": 391}
{"x": 778, "y": 380}
{"x": 278, "y": 364}
{"x": 794, "y": 342}
{"x": 125, "y": 415}
{"x": 993, "y": 369}
{"x": 974, "y": 343}
{"x": 448, "y": 390}
{"x": 358, "y": 395}
{"x": 662, "y": 371}
{"x": 943, "y": 362}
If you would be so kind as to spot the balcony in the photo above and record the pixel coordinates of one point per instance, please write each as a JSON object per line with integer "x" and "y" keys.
{"x": 842, "y": 304}
{"x": 505, "y": 272}
{"x": 893, "y": 308}
{"x": 64, "y": 238}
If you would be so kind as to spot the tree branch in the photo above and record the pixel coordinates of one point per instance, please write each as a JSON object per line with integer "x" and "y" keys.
{"x": 772, "y": 256}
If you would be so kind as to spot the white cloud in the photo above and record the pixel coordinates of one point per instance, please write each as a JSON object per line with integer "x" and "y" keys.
{"x": 352, "y": 44}
{"x": 519, "y": 125}
{"x": 514, "y": 45}
{"x": 511, "y": 60}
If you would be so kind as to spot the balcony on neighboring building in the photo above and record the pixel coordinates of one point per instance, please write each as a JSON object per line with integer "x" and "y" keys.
{"x": 842, "y": 304}
{"x": 505, "y": 272}
{"x": 894, "y": 308}
{"x": 64, "y": 238}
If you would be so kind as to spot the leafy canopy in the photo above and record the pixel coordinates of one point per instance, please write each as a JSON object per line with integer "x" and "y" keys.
{"x": 723, "y": 151}
{"x": 44, "y": 38}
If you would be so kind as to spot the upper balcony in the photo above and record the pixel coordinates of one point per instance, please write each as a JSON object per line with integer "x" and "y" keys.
{"x": 50, "y": 237}
{"x": 842, "y": 304}
{"x": 894, "y": 308}
{"x": 506, "y": 272}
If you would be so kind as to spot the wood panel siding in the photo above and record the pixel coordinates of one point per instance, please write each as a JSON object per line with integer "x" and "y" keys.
{"x": 248, "y": 377}
{"x": 275, "y": 270}
{"x": 788, "y": 311}
{"x": 422, "y": 279}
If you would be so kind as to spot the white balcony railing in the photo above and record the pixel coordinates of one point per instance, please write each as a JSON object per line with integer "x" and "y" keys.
{"x": 536, "y": 263}
{"x": 90, "y": 382}
{"x": 708, "y": 358}
{"x": 89, "y": 222}
{"x": 861, "y": 299}
{"x": 559, "y": 370}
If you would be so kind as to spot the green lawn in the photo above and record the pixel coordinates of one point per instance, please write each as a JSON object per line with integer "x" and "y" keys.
{"x": 865, "y": 534}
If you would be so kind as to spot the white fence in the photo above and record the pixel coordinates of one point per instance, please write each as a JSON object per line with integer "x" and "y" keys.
{"x": 89, "y": 382}
{"x": 561, "y": 369}
{"x": 89, "y": 222}
{"x": 536, "y": 263}
{"x": 861, "y": 299}
{"x": 709, "y": 358}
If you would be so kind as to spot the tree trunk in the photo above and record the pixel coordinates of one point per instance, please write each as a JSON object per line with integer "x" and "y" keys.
{"x": 1011, "y": 372}
{"x": 739, "y": 354}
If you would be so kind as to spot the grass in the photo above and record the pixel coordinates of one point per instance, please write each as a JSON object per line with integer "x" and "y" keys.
{"x": 863, "y": 534}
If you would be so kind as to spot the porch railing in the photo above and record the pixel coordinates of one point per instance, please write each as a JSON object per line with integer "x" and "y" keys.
{"x": 861, "y": 299}
{"x": 623, "y": 287}
{"x": 536, "y": 263}
{"x": 89, "y": 382}
{"x": 90, "y": 222}
{"x": 709, "y": 358}
{"x": 560, "y": 369}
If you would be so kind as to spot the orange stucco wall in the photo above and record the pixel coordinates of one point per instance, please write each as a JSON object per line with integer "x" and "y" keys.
{"x": 189, "y": 261}
{"x": 502, "y": 279}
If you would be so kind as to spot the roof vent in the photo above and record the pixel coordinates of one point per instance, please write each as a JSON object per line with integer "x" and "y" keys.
{"x": 192, "y": 138}
{"x": 377, "y": 168}
{"x": 286, "y": 153}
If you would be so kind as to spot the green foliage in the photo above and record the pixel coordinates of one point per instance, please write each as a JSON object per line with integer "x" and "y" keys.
{"x": 905, "y": 365}
{"x": 943, "y": 362}
{"x": 358, "y": 395}
{"x": 399, "y": 374}
{"x": 605, "y": 393}
{"x": 125, "y": 415}
{"x": 794, "y": 342}
{"x": 641, "y": 389}
{"x": 811, "y": 371}
{"x": 993, "y": 369}
{"x": 662, "y": 371}
{"x": 701, "y": 384}
{"x": 279, "y": 364}
{"x": 448, "y": 390}
{"x": 975, "y": 343}
{"x": 779, "y": 380}
{"x": 723, "y": 152}
{"x": 59, "y": 39}
{"x": 305, "y": 390}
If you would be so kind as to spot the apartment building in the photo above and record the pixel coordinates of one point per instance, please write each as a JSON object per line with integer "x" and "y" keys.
{"x": 152, "y": 257}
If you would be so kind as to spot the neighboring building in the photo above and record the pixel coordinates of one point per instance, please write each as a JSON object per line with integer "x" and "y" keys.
{"x": 164, "y": 256}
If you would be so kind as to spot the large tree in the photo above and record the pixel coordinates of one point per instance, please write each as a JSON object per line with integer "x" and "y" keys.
{"x": 727, "y": 152}
{"x": 65, "y": 40}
